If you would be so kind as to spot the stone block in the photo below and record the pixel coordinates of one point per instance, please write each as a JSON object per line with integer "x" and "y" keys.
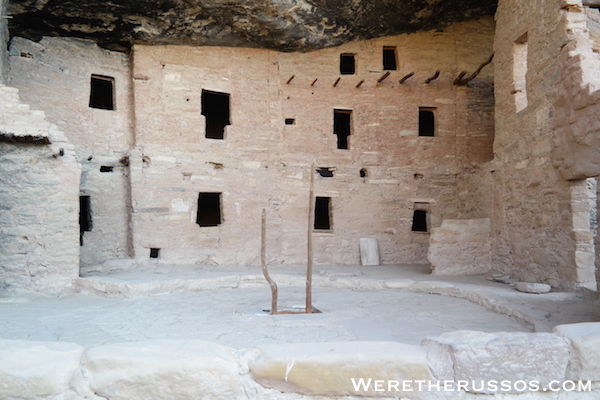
{"x": 31, "y": 370}
{"x": 511, "y": 356}
{"x": 163, "y": 369}
{"x": 585, "y": 356}
{"x": 536, "y": 288}
{"x": 369, "y": 251}
{"x": 334, "y": 368}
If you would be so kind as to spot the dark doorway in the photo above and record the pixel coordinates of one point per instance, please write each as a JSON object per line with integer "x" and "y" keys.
{"x": 389, "y": 58}
{"x": 426, "y": 121}
{"x": 419, "y": 222}
{"x": 209, "y": 209}
{"x": 342, "y": 126}
{"x": 347, "y": 64}
{"x": 215, "y": 108}
{"x": 85, "y": 217}
{"x": 322, "y": 216}
{"x": 102, "y": 92}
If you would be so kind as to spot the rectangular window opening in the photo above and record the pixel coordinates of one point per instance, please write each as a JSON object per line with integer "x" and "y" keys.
{"x": 85, "y": 217}
{"x": 347, "y": 64}
{"x": 419, "y": 222}
{"x": 106, "y": 168}
{"x": 342, "y": 127}
{"x": 290, "y": 121}
{"x": 520, "y": 72}
{"x": 209, "y": 209}
{"x": 426, "y": 121}
{"x": 154, "y": 252}
{"x": 322, "y": 213}
{"x": 102, "y": 92}
{"x": 216, "y": 111}
{"x": 389, "y": 58}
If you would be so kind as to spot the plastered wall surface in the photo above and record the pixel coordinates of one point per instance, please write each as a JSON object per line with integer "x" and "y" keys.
{"x": 537, "y": 227}
{"x": 264, "y": 163}
{"x": 54, "y": 75}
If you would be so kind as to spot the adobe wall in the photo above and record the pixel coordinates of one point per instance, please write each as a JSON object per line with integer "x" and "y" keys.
{"x": 540, "y": 220}
{"x": 264, "y": 163}
{"x": 54, "y": 75}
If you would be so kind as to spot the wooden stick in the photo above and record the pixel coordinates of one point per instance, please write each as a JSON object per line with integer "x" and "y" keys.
{"x": 309, "y": 248}
{"x": 315, "y": 81}
{"x": 383, "y": 77}
{"x": 360, "y": 83}
{"x": 434, "y": 77}
{"x": 336, "y": 82}
{"x": 263, "y": 246}
{"x": 474, "y": 75}
{"x": 289, "y": 80}
{"x": 406, "y": 77}
{"x": 459, "y": 78}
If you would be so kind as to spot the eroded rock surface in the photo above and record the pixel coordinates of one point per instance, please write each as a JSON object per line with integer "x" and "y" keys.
{"x": 279, "y": 24}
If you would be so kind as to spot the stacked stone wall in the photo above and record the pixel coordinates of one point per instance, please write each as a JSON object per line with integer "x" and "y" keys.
{"x": 55, "y": 75}
{"x": 533, "y": 205}
{"x": 39, "y": 213}
{"x": 265, "y": 163}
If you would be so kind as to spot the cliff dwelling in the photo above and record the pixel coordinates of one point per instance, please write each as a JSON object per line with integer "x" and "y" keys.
{"x": 429, "y": 167}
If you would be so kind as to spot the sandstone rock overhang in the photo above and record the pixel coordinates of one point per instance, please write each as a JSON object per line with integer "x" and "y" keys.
{"x": 286, "y": 25}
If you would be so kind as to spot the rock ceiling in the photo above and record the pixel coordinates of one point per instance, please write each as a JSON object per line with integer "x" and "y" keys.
{"x": 288, "y": 25}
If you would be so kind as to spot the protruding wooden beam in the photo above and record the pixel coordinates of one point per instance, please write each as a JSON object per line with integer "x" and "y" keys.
{"x": 474, "y": 74}
{"x": 360, "y": 83}
{"x": 406, "y": 77}
{"x": 313, "y": 82}
{"x": 459, "y": 78}
{"x": 291, "y": 78}
{"x": 433, "y": 77}
{"x": 336, "y": 82}
{"x": 383, "y": 77}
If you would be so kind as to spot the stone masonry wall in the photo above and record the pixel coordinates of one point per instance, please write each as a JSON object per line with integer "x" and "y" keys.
{"x": 264, "y": 163}
{"x": 533, "y": 206}
{"x": 39, "y": 206}
{"x": 54, "y": 75}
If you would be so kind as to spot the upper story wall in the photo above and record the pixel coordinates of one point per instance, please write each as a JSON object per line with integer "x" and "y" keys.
{"x": 56, "y": 74}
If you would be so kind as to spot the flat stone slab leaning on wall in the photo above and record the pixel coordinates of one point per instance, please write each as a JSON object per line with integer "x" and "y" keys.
{"x": 196, "y": 370}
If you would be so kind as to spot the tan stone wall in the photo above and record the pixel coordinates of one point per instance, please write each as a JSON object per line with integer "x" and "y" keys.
{"x": 534, "y": 207}
{"x": 263, "y": 163}
{"x": 54, "y": 75}
{"x": 39, "y": 212}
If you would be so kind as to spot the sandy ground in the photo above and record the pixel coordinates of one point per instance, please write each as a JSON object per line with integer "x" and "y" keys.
{"x": 376, "y": 304}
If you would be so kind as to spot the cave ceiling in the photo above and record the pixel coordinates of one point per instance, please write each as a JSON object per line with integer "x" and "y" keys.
{"x": 287, "y": 25}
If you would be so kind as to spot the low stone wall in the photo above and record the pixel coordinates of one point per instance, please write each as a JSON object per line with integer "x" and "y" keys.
{"x": 455, "y": 365}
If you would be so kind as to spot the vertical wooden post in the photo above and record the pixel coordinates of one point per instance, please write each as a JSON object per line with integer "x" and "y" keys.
{"x": 309, "y": 265}
{"x": 263, "y": 246}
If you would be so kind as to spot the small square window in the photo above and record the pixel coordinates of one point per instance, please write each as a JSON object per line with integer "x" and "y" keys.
{"x": 347, "y": 64}
{"x": 426, "y": 121}
{"x": 102, "y": 92}
{"x": 154, "y": 253}
{"x": 389, "y": 58}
